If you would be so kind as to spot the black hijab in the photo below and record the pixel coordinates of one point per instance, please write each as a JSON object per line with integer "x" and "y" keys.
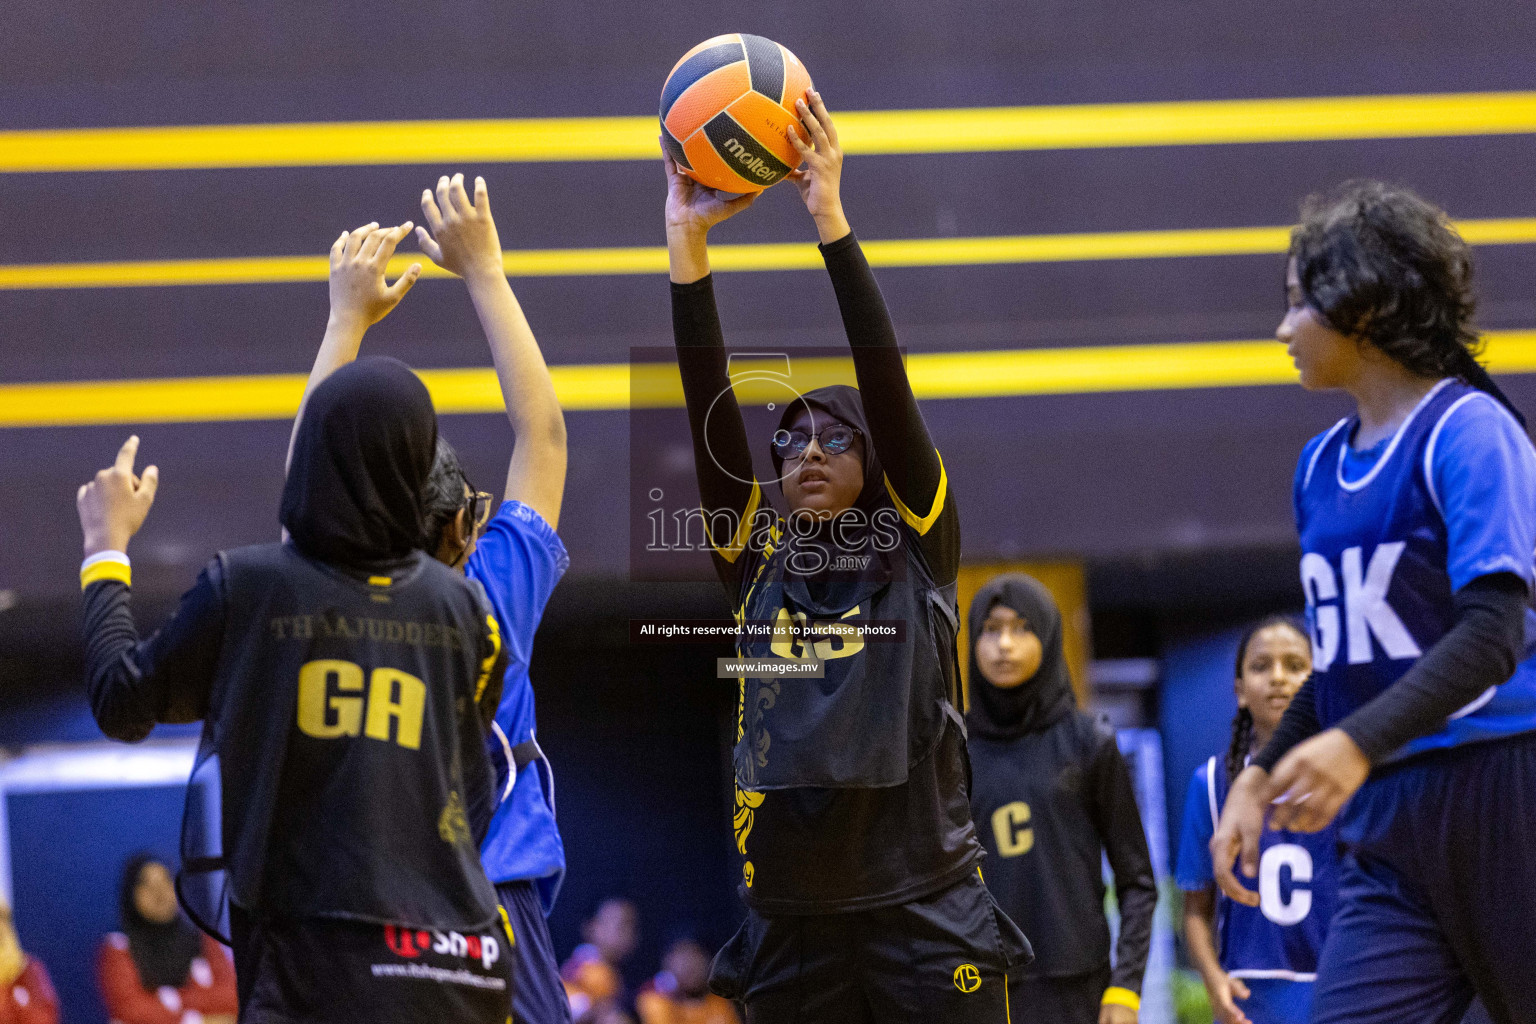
{"x": 360, "y": 462}
{"x": 1041, "y": 700}
{"x": 838, "y": 590}
{"x": 163, "y": 953}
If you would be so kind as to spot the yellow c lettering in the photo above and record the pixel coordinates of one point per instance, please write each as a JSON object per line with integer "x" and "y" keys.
{"x": 398, "y": 696}
{"x": 317, "y": 704}
{"x": 1008, "y": 826}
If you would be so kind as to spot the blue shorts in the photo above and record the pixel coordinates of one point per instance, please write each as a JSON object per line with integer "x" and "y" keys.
{"x": 1276, "y": 1001}
{"x": 1438, "y": 897}
{"x": 538, "y": 995}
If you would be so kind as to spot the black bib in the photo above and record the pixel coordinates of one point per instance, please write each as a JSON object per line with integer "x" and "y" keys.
{"x": 880, "y": 707}
{"x": 342, "y": 728}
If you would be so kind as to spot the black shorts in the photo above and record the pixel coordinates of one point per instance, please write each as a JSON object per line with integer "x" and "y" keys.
{"x": 943, "y": 959}
{"x": 325, "y": 970}
{"x": 1070, "y": 1000}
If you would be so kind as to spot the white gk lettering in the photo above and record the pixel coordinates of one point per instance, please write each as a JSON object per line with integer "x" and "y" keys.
{"x": 1366, "y": 610}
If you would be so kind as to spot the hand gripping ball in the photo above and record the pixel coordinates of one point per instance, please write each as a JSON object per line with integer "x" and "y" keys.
{"x": 727, "y": 109}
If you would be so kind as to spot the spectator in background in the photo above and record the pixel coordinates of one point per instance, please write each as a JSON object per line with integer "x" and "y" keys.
{"x": 680, "y": 993}
{"x": 26, "y": 994}
{"x": 594, "y": 979}
{"x": 159, "y": 969}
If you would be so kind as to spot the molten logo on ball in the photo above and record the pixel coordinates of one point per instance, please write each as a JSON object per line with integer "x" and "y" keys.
{"x": 747, "y": 160}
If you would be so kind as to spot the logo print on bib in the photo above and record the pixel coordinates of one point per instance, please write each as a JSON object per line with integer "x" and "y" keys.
{"x": 967, "y": 978}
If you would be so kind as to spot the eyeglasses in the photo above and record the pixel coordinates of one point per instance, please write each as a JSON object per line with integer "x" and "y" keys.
{"x": 477, "y": 509}
{"x": 834, "y": 439}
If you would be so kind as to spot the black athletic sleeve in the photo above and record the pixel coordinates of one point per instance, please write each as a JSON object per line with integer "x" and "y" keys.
{"x": 722, "y": 459}
{"x": 914, "y": 471}
{"x": 1299, "y": 723}
{"x": 134, "y": 684}
{"x": 1481, "y": 650}
{"x": 1118, "y": 821}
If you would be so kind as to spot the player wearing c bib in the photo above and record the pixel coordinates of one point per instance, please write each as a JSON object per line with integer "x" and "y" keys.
{"x": 1417, "y": 521}
{"x": 1259, "y": 963}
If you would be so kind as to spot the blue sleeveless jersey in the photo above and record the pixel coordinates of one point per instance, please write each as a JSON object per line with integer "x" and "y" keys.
{"x": 1298, "y": 886}
{"x": 1388, "y": 535}
{"x": 518, "y": 560}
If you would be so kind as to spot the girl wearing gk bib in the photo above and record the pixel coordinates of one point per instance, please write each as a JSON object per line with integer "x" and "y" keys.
{"x": 1258, "y": 963}
{"x": 1417, "y": 521}
{"x": 852, "y": 814}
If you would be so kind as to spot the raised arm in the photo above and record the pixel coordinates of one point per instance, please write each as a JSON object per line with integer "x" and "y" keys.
{"x": 722, "y": 459}
{"x": 135, "y": 684}
{"x": 460, "y": 236}
{"x": 359, "y": 299}
{"x": 901, "y": 440}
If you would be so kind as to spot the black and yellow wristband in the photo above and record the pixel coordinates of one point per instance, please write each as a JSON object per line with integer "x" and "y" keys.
{"x": 106, "y": 565}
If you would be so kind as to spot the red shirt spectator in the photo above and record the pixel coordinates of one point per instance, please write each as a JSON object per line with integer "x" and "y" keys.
{"x": 26, "y": 994}
{"x": 160, "y": 969}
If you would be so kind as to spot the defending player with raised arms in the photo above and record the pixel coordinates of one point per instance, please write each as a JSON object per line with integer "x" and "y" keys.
{"x": 1417, "y": 522}
{"x": 860, "y": 861}
{"x": 517, "y": 560}
{"x": 337, "y": 675}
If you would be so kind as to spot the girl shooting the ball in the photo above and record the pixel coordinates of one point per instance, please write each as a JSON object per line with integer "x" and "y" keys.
{"x": 859, "y": 856}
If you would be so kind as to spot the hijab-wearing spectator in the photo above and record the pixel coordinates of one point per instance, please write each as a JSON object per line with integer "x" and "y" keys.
{"x": 160, "y": 969}
{"x": 26, "y": 994}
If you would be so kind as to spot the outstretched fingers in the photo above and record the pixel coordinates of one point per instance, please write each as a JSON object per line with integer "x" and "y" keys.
{"x": 384, "y": 248}
{"x": 404, "y": 283}
{"x": 818, "y": 133}
{"x": 149, "y": 483}
{"x": 126, "y": 455}
{"x": 356, "y": 237}
{"x": 430, "y": 212}
{"x": 427, "y": 244}
{"x": 823, "y": 118}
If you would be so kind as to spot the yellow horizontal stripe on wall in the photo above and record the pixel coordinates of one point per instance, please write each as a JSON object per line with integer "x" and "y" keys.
{"x": 611, "y": 386}
{"x": 959, "y": 130}
{"x": 909, "y": 252}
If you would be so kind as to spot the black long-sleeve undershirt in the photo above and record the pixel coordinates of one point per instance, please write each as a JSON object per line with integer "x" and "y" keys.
{"x": 1480, "y": 650}
{"x": 134, "y": 684}
{"x": 1118, "y": 820}
{"x": 900, "y": 438}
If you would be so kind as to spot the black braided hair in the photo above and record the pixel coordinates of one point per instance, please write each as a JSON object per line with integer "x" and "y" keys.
{"x": 1242, "y": 740}
{"x": 1242, "y": 722}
